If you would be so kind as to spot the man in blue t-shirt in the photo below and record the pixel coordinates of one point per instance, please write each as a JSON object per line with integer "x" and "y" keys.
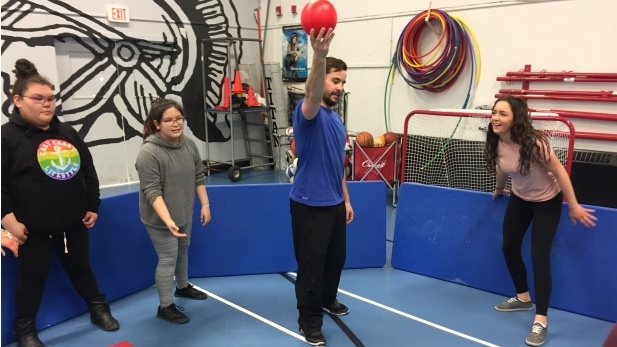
{"x": 319, "y": 201}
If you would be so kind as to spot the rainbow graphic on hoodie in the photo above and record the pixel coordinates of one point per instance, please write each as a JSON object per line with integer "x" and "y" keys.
{"x": 59, "y": 159}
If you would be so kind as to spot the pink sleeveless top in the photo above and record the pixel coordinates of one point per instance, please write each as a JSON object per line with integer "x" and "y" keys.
{"x": 538, "y": 185}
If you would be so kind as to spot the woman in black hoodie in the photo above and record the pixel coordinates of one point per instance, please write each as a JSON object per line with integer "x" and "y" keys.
{"x": 50, "y": 196}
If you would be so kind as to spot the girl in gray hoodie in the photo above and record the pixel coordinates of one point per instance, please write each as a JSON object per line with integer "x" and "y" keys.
{"x": 170, "y": 172}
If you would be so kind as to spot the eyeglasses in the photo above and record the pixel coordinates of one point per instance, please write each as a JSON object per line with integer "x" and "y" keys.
{"x": 179, "y": 120}
{"x": 38, "y": 99}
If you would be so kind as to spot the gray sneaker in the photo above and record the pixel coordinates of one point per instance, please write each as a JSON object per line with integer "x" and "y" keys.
{"x": 537, "y": 335}
{"x": 514, "y": 304}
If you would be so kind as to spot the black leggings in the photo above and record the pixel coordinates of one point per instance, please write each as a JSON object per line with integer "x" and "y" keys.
{"x": 319, "y": 236}
{"x": 35, "y": 257}
{"x": 545, "y": 216}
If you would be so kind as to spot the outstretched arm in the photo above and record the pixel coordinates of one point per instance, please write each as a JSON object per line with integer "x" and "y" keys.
{"x": 577, "y": 212}
{"x": 161, "y": 210}
{"x": 315, "y": 81}
{"x": 500, "y": 186}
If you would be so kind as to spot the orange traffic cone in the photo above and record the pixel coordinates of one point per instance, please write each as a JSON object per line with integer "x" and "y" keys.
{"x": 237, "y": 84}
{"x": 251, "y": 100}
{"x": 225, "y": 104}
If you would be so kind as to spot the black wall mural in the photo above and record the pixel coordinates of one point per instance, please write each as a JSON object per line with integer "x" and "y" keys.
{"x": 136, "y": 70}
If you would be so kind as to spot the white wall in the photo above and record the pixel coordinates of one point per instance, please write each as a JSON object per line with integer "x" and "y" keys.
{"x": 566, "y": 35}
{"x": 111, "y": 115}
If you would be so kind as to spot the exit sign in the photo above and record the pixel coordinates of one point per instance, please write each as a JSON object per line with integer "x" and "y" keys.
{"x": 118, "y": 14}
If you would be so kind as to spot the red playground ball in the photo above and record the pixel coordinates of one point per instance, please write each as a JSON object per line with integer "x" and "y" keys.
{"x": 318, "y": 14}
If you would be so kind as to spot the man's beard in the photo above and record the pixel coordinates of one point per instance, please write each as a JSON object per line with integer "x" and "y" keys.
{"x": 329, "y": 101}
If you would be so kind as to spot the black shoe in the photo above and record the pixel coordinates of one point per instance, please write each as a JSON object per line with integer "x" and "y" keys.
{"x": 100, "y": 314}
{"x": 191, "y": 293}
{"x": 31, "y": 340}
{"x": 25, "y": 331}
{"x": 336, "y": 308}
{"x": 315, "y": 338}
{"x": 172, "y": 314}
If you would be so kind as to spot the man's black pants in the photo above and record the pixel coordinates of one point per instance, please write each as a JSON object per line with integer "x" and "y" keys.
{"x": 319, "y": 236}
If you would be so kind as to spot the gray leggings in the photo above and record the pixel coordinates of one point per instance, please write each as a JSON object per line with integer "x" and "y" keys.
{"x": 173, "y": 260}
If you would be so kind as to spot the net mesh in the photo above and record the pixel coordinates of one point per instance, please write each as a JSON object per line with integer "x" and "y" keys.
{"x": 448, "y": 151}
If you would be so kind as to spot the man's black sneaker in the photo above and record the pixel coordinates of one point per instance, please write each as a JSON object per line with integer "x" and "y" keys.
{"x": 315, "y": 338}
{"x": 336, "y": 308}
{"x": 191, "y": 293}
{"x": 172, "y": 314}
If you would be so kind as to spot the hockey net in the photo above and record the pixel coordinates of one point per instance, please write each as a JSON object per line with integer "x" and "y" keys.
{"x": 446, "y": 148}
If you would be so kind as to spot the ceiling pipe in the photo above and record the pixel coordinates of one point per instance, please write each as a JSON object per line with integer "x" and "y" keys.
{"x": 560, "y": 97}
{"x": 595, "y": 136}
{"x": 601, "y": 93}
{"x": 580, "y": 114}
{"x": 602, "y": 75}
{"x": 554, "y": 79}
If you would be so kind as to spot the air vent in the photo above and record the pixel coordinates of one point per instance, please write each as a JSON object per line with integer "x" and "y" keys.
{"x": 592, "y": 157}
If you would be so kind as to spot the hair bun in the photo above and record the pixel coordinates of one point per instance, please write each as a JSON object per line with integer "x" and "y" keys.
{"x": 157, "y": 100}
{"x": 24, "y": 68}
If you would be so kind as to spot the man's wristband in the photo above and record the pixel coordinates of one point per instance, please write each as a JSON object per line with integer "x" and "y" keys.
{"x": 500, "y": 188}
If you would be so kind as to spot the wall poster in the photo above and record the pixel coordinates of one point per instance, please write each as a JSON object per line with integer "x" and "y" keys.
{"x": 295, "y": 43}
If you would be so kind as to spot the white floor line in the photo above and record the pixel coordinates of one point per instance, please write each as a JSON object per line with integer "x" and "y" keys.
{"x": 407, "y": 315}
{"x": 254, "y": 315}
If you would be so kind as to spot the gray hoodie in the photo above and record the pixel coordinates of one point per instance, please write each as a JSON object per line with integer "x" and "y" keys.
{"x": 169, "y": 171}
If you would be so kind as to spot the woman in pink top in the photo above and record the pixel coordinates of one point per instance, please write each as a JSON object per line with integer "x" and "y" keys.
{"x": 539, "y": 184}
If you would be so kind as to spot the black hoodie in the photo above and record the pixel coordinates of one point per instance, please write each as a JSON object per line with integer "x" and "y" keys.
{"x": 48, "y": 177}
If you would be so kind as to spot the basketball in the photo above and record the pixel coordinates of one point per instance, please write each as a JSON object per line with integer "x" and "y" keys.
{"x": 379, "y": 141}
{"x": 292, "y": 146}
{"x": 390, "y": 138}
{"x": 318, "y": 14}
{"x": 364, "y": 139}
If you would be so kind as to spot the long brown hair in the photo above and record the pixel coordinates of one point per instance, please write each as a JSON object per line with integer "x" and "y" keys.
{"x": 159, "y": 106}
{"x": 26, "y": 73}
{"x": 521, "y": 133}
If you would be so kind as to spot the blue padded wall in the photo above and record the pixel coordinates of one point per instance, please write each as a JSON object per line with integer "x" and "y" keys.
{"x": 250, "y": 233}
{"x": 455, "y": 235}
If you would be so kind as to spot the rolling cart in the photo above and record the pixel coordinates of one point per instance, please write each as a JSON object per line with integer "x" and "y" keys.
{"x": 249, "y": 116}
